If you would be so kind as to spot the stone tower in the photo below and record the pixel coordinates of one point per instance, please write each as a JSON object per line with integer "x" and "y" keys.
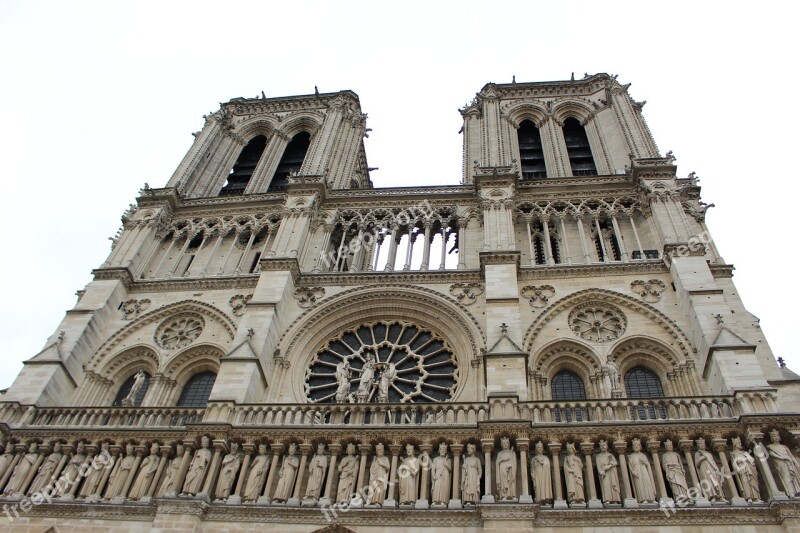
{"x": 553, "y": 343}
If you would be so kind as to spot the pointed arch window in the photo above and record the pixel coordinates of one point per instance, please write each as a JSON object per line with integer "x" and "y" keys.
{"x": 567, "y": 386}
{"x": 578, "y": 149}
{"x": 197, "y": 390}
{"x": 531, "y": 152}
{"x": 292, "y": 160}
{"x": 244, "y": 167}
{"x": 125, "y": 390}
{"x": 641, "y": 382}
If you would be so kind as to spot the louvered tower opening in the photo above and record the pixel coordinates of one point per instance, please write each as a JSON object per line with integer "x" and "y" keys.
{"x": 292, "y": 160}
{"x": 244, "y": 167}
{"x": 578, "y": 149}
{"x": 531, "y": 152}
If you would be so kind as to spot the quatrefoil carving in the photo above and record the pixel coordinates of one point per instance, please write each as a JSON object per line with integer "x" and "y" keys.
{"x": 538, "y": 296}
{"x": 650, "y": 290}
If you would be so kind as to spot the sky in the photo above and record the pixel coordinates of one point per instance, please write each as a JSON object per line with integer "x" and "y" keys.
{"x": 100, "y": 97}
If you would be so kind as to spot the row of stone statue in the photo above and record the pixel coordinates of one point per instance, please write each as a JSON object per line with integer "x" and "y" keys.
{"x": 226, "y": 474}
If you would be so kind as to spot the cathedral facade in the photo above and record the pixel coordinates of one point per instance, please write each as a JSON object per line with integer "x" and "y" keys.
{"x": 274, "y": 343}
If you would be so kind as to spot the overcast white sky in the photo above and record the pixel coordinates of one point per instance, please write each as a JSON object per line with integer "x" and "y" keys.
{"x": 100, "y": 97}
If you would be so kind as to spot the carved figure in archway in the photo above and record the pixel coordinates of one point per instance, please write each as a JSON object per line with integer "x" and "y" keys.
{"x": 506, "y": 464}
{"x": 607, "y": 472}
{"x": 785, "y": 463}
{"x": 145, "y": 476}
{"x": 348, "y": 471}
{"x": 744, "y": 466}
{"x": 287, "y": 475}
{"x": 644, "y": 488}
{"x": 45, "y": 473}
{"x": 709, "y": 473}
{"x": 440, "y": 477}
{"x": 378, "y": 477}
{"x": 197, "y": 469}
{"x": 138, "y": 382}
{"x": 471, "y": 472}
{"x": 255, "y": 479}
{"x": 573, "y": 476}
{"x": 676, "y": 476}
{"x": 343, "y": 381}
{"x": 227, "y": 474}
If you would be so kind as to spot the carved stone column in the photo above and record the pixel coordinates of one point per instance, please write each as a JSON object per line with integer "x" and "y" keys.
{"x": 686, "y": 448}
{"x": 335, "y": 449}
{"x": 115, "y": 452}
{"x": 488, "y": 492}
{"x": 558, "y": 496}
{"x": 455, "y": 501}
{"x": 653, "y": 446}
{"x": 277, "y": 450}
{"x": 177, "y": 483}
{"x": 165, "y": 453}
{"x": 305, "y": 449}
{"x": 761, "y": 455}
{"x": 20, "y": 450}
{"x": 119, "y": 498}
{"x": 719, "y": 446}
{"x": 390, "y": 500}
{"x": 425, "y": 464}
{"x": 364, "y": 450}
{"x": 627, "y": 498}
{"x": 236, "y": 497}
{"x": 587, "y": 448}
{"x": 211, "y": 476}
{"x": 523, "y": 445}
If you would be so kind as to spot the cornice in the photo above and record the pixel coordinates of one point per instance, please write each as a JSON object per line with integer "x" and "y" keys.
{"x": 721, "y": 271}
{"x": 428, "y": 191}
{"x": 655, "y": 266}
{"x": 245, "y": 281}
{"x": 619, "y": 180}
{"x": 251, "y": 106}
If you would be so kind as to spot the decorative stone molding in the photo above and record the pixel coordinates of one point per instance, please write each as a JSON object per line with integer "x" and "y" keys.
{"x": 131, "y": 308}
{"x": 466, "y": 293}
{"x": 650, "y": 290}
{"x": 538, "y": 296}
{"x": 179, "y": 331}
{"x": 597, "y": 321}
{"x": 308, "y": 296}
{"x": 238, "y": 303}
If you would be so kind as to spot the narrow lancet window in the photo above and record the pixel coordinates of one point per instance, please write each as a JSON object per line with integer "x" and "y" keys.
{"x": 578, "y": 149}
{"x": 291, "y": 161}
{"x": 244, "y": 167}
{"x": 531, "y": 153}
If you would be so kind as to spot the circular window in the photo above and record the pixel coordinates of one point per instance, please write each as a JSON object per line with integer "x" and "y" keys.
{"x": 179, "y": 331}
{"x": 597, "y": 321}
{"x": 384, "y": 362}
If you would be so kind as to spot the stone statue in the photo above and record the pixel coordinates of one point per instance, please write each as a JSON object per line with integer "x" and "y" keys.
{"x": 506, "y": 468}
{"x": 7, "y": 457}
{"x": 343, "y": 381}
{"x": 709, "y": 474}
{"x": 147, "y": 470}
{"x": 441, "y": 474}
{"x": 44, "y": 476}
{"x": 573, "y": 476}
{"x": 138, "y": 382}
{"x": 607, "y": 472}
{"x": 197, "y": 469}
{"x": 116, "y": 483}
{"x": 17, "y": 480}
{"x": 408, "y": 477}
{"x": 316, "y": 475}
{"x": 387, "y": 378}
{"x": 287, "y": 475}
{"x": 70, "y": 474}
{"x": 172, "y": 472}
{"x": 744, "y": 467}
{"x": 227, "y": 474}
{"x": 348, "y": 472}
{"x": 676, "y": 476}
{"x": 255, "y": 478}
{"x": 612, "y": 371}
{"x": 785, "y": 464}
{"x": 91, "y": 489}
{"x": 471, "y": 472}
{"x": 541, "y": 474}
{"x": 644, "y": 488}
{"x": 366, "y": 381}
{"x": 378, "y": 477}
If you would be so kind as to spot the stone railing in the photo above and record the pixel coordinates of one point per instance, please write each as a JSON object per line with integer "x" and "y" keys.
{"x": 607, "y": 411}
{"x": 114, "y": 417}
{"x": 463, "y": 414}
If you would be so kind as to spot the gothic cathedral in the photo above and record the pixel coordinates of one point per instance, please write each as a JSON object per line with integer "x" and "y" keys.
{"x": 273, "y": 343}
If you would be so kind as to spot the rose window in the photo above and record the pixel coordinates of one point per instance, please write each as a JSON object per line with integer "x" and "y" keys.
{"x": 597, "y": 321}
{"x": 384, "y": 362}
{"x": 179, "y": 331}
